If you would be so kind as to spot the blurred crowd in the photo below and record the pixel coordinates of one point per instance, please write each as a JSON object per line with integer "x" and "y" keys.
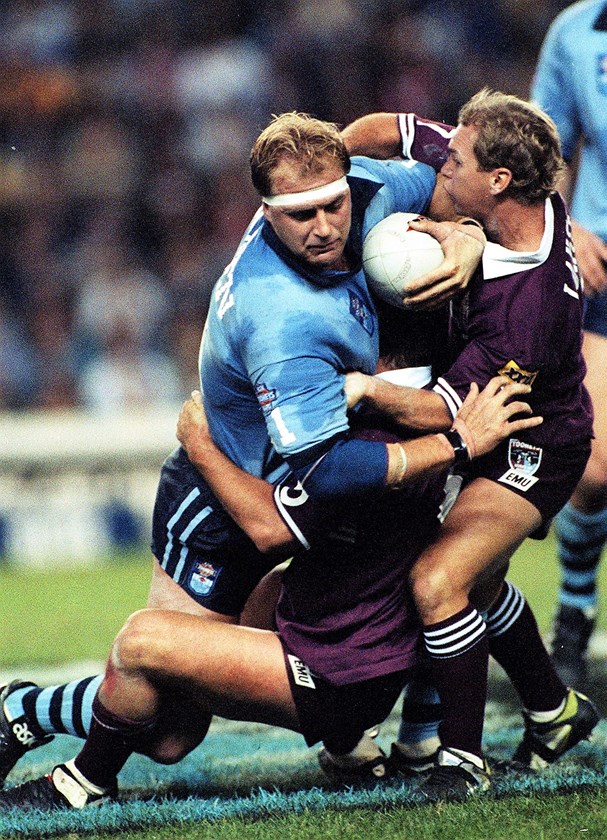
{"x": 125, "y": 127}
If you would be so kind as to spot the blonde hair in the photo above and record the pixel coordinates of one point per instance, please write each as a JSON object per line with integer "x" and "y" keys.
{"x": 518, "y": 135}
{"x": 300, "y": 137}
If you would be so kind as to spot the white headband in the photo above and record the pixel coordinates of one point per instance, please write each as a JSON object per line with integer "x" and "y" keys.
{"x": 307, "y": 196}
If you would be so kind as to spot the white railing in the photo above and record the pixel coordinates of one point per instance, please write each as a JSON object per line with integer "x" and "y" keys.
{"x": 72, "y": 484}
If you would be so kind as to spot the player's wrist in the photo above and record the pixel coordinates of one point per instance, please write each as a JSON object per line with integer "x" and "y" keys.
{"x": 454, "y": 446}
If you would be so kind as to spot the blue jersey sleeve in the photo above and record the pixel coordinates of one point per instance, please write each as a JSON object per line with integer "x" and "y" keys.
{"x": 407, "y": 187}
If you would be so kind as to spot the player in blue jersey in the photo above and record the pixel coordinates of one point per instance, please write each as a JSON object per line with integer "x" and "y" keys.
{"x": 570, "y": 83}
{"x": 522, "y": 318}
{"x": 290, "y": 315}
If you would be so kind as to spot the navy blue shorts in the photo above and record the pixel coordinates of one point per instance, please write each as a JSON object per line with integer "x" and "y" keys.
{"x": 198, "y": 544}
{"x": 340, "y": 712}
{"x": 595, "y": 318}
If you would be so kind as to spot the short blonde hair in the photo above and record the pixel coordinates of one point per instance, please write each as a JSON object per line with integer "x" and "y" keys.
{"x": 518, "y": 135}
{"x": 305, "y": 139}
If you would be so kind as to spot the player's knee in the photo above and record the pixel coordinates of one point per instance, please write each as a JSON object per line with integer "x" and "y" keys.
{"x": 432, "y": 587}
{"x": 141, "y": 641}
{"x": 169, "y": 750}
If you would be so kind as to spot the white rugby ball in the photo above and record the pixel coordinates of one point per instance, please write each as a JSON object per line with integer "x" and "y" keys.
{"x": 394, "y": 255}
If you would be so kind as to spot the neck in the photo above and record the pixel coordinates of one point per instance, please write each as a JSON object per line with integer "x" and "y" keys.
{"x": 515, "y": 226}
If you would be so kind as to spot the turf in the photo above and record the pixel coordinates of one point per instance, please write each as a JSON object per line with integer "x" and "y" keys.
{"x": 258, "y": 782}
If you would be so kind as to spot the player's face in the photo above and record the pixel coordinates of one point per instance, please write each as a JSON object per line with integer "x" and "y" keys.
{"x": 469, "y": 187}
{"x": 314, "y": 232}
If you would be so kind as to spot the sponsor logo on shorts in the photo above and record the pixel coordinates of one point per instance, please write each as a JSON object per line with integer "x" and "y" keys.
{"x": 524, "y": 460}
{"x": 360, "y": 312}
{"x": 301, "y": 672}
{"x": 203, "y": 578}
{"x": 517, "y": 374}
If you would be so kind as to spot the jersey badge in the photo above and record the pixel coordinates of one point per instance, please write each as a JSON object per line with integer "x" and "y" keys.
{"x": 517, "y": 374}
{"x": 203, "y": 577}
{"x": 265, "y": 396}
{"x": 524, "y": 460}
{"x": 301, "y": 673}
{"x": 359, "y": 311}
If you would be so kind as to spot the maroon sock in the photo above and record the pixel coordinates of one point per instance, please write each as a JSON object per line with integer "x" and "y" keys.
{"x": 459, "y": 659}
{"x": 515, "y": 643}
{"x": 110, "y": 741}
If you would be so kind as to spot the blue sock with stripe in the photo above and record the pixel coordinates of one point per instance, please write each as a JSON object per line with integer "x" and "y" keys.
{"x": 56, "y": 710}
{"x": 580, "y": 539}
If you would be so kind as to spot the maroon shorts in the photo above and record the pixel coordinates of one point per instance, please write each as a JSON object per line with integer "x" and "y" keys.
{"x": 546, "y": 477}
{"x": 340, "y": 711}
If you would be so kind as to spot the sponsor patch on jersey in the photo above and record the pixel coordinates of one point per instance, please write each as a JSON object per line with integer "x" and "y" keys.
{"x": 265, "y": 396}
{"x": 203, "y": 577}
{"x": 360, "y": 312}
{"x": 301, "y": 673}
{"x": 601, "y": 82}
{"x": 517, "y": 374}
{"x": 524, "y": 460}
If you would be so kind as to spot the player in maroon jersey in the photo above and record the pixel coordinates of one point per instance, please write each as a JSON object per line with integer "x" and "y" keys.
{"x": 521, "y": 318}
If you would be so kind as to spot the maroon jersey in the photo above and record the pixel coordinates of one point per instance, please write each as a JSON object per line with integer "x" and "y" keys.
{"x": 521, "y": 318}
{"x": 345, "y": 608}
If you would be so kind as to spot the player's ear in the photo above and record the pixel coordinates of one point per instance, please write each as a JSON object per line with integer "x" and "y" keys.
{"x": 500, "y": 179}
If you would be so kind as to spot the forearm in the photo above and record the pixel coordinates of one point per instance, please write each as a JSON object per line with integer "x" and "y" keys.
{"x": 247, "y": 499}
{"x": 413, "y": 409}
{"x": 374, "y": 135}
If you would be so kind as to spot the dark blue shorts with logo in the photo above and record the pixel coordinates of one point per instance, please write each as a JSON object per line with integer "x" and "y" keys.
{"x": 198, "y": 544}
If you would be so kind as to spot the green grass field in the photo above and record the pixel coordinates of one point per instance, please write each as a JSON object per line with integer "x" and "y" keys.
{"x": 58, "y": 616}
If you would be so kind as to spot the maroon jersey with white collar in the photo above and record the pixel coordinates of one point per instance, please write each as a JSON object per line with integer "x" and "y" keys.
{"x": 521, "y": 316}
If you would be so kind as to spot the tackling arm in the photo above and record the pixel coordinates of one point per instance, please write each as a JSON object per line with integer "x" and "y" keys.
{"x": 248, "y": 500}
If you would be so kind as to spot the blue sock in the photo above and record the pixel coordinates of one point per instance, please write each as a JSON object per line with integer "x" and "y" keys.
{"x": 57, "y": 710}
{"x": 580, "y": 541}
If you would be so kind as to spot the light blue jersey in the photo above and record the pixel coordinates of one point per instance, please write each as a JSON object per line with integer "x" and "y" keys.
{"x": 571, "y": 85}
{"x": 280, "y": 337}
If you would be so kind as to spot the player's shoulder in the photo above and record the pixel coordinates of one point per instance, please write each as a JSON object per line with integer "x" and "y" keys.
{"x": 580, "y": 15}
{"x": 379, "y": 170}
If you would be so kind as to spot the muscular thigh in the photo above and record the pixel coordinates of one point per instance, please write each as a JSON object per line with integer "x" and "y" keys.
{"x": 239, "y": 671}
{"x": 485, "y": 526}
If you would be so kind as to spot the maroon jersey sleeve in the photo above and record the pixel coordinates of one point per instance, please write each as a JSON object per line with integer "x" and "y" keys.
{"x": 424, "y": 140}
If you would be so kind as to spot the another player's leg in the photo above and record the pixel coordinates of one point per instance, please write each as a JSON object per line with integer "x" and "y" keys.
{"x": 31, "y": 715}
{"x": 556, "y": 717}
{"x": 416, "y": 749}
{"x": 483, "y": 529}
{"x": 235, "y": 671}
{"x": 581, "y": 531}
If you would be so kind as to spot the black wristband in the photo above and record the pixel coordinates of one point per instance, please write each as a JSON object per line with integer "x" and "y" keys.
{"x": 472, "y": 222}
{"x": 459, "y": 447}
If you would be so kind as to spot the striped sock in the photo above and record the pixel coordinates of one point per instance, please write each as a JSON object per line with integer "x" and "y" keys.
{"x": 458, "y": 649}
{"x": 515, "y": 643}
{"x": 56, "y": 710}
{"x": 580, "y": 541}
{"x": 420, "y": 718}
